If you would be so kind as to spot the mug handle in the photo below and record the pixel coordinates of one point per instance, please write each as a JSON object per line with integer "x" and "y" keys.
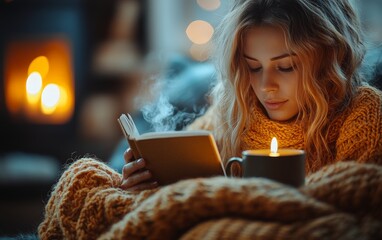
{"x": 230, "y": 162}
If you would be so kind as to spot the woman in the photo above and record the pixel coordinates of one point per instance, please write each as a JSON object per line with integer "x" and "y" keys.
{"x": 290, "y": 69}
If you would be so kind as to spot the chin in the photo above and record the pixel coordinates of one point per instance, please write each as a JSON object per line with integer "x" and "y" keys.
{"x": 282, "y": 117}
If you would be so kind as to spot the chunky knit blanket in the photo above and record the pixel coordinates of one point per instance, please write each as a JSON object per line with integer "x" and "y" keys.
{"x": 340, "y": 201}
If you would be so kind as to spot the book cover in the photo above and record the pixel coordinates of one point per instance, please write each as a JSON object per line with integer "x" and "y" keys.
{"x": 174, "y": 155}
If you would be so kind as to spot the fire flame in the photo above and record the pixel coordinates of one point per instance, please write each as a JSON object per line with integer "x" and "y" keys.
{"x": 274, "y": 145}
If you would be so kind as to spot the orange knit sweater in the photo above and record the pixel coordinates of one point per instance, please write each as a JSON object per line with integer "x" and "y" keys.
{"x": 339, "y": 201}
{"x": 355, "y": 134}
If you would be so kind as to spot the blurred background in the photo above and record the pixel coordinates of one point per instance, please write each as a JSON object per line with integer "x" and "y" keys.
{"x": 69, "y": 68}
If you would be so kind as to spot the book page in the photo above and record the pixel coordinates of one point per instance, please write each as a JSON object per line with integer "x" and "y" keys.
{"x": 128, "y": 126}
{"x": 169, "y": 134}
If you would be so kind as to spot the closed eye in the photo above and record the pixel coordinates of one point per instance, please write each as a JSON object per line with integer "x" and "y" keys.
{"x": 258, "y": 69}
{"x": 287, "y": 69}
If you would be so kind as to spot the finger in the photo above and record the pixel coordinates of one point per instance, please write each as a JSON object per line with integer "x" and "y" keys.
{"x": 143, "y": 186}
{"x": 136, "y": 179}
{"x": 131, "y": 167}
{"x": 128, "y": 155}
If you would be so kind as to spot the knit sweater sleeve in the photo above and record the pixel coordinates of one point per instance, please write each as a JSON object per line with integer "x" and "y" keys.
{"x": 360, "y": 137}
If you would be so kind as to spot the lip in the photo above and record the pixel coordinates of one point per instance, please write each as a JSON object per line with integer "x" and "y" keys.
{"x": 274, "y": 104}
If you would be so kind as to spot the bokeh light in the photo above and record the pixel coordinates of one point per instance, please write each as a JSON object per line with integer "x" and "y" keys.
{"x": 209, "y": 5}
{"x": 34, "y": 83}
{"x": 199, "y": 32}
{"x": 49, "y": 98}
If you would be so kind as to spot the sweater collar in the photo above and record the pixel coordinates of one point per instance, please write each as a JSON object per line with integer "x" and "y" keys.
{"x": 261, "y": 130}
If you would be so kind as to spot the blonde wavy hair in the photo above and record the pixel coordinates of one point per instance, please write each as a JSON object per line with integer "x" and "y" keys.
{"x": 325, "y": 35}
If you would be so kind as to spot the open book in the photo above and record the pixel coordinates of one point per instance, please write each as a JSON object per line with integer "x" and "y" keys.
{"x": 174, "y": 155}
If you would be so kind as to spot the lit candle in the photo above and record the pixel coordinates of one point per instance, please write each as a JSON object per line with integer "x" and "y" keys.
{"x": 283, "y": 165}
{"x": 274, "y": 148}
{"x": 274, "y": 151}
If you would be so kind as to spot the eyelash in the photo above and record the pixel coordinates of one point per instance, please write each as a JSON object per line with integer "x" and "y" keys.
{"x": 289, "y": 69}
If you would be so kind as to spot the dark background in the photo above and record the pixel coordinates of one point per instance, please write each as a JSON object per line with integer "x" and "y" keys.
{"x": 32, "y": 156}
{"x": 86, "y": 23}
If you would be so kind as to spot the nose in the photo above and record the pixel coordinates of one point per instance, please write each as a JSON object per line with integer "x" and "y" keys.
{"x": 268, "y": 82}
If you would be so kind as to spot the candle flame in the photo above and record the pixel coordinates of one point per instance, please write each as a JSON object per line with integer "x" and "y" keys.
{"x": 50, "y": 98}
{"x": 274, "y": 146}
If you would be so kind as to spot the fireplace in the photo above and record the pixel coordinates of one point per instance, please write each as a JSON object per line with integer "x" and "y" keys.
{"x": 43, "y": 67}
{"x": 39, "y": 83}
{"x": 43, "y": 71}
{"x": 52, "y": 106}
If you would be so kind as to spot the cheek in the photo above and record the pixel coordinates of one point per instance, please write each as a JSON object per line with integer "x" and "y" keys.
{"x": 254, "y": 85}
{"x": 290, "y": 84}
{"x": 293, "y": 95}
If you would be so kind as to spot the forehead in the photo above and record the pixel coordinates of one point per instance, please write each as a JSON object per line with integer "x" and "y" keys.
{"x": 260, "y": 40}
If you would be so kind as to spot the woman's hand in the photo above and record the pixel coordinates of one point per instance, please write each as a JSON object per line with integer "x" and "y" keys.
{"x": 135, "y": 176}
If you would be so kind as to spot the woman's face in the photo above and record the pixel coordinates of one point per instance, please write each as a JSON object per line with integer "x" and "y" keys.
{"x": 273, "y": 70}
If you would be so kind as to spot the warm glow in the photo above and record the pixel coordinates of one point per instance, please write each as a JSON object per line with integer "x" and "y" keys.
{"x": 274, "y": 145}
{"x": 39, "y": 64}
{"x": 44, "y": 69}
{"x": 199, "y": 32}
{"x": 49, "y": 98}
{"x": 33, "y": 88}
{"x": 209, "y": 5}
{"x": 34, "y": 83}
{"x": 274, "y": 148}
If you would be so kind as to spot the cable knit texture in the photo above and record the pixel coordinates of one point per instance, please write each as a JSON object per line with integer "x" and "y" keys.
{"x": 340, "y": 201}
{"x": 355, "y": 134}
